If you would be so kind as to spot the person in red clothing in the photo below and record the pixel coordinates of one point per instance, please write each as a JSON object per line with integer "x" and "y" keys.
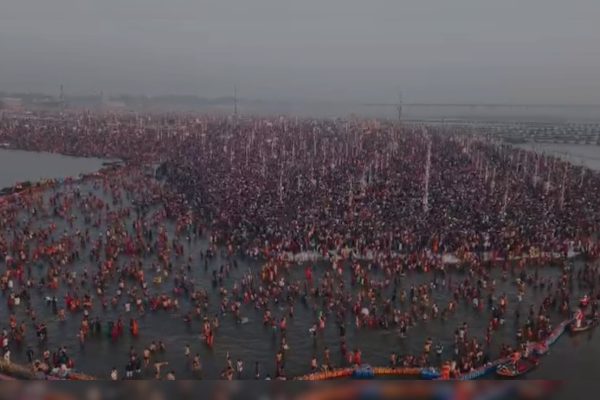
{"x": 308, "y": 274}
{"x": 357, "y": 357}
{"x": 134, "y": 327}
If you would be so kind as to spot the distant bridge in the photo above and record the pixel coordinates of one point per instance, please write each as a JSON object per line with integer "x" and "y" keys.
{"x": 485, "y": 105}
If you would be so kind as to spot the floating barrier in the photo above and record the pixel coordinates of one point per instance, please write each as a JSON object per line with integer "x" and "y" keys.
{"x": 22, "y": 372}
{"x": 539, "y": 348}
{"x": 364, "y": 372}
{"x": 74, "y": 376}
{"x": 327, "y": 375}
{"x": 483, "y": 370}
{"x": 430, "y": 373}
{"x": 543, "y": 347}
{"x": 368, "y": 372}
{"x": 16, "y": 370}
{"x": 387, "y": 371}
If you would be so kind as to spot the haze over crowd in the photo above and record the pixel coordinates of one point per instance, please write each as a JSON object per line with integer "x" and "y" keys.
{"x": 539, "y": 51}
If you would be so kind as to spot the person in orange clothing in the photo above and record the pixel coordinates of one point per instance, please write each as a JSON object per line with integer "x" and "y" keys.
{"x": 357, "y": 357}
{"x": 134, "y": 328}
{"x": 445, "y": 375}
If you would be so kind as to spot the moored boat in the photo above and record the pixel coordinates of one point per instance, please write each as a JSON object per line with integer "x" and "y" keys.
{"x": 513, "y": 369}
{"x": 585, "y": 325}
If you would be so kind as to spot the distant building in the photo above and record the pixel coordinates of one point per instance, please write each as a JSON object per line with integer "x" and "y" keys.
{"x": 11, "y": 104}
{"x": 113, "y": 105}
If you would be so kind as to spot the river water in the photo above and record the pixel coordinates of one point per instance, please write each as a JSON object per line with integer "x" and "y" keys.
{"x": 571, "y": 358}
{"x": 18, "y": 166}
{"x": 587, "y": 155}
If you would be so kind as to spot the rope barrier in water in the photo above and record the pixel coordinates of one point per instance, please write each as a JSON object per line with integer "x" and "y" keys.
{"x": 540, "y": 348}
{"x": 326, "y": 375}
{"x": 431, "y": 373}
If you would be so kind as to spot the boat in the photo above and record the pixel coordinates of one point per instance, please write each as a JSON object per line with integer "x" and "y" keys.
{"x": 512, "y": 369}
{"x": 586, "y": 325}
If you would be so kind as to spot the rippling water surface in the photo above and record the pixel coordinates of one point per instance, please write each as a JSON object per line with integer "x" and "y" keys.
{"x": 19, "y": 166}
{"x": 587, "y": 155}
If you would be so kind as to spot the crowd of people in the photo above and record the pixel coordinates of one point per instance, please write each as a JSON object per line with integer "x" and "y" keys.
{"x": 378, "y": 203}
{"x": 325, "y": 185}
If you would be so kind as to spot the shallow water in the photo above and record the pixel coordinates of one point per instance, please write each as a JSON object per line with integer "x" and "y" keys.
{"x": 587, "y": 155}
{"x": 253, "y": 342}
{"x": 20, "y": 166}
{"x": 572, "y": 357}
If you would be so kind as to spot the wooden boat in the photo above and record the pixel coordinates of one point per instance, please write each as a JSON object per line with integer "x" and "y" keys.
{"x": 513, "y": 369}
{"x": 586, "y": 325}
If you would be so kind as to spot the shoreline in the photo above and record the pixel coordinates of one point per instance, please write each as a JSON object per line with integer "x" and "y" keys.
{"x": 64, "y": 161}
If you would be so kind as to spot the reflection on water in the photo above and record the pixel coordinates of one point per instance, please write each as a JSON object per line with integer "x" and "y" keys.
{"x": 21, "y": 166}
{"x": 587, "y": 155}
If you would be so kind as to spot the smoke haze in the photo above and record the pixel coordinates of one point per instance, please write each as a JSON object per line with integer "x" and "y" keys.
{"x": 536, "y": 51}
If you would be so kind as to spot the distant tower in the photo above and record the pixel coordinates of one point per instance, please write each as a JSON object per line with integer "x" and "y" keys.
{"x": 61, "y": 98}
{"x": 234, "y": 100}
{"x": 399, "y": 106}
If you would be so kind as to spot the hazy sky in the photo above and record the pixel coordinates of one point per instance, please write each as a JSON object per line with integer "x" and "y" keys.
{"x": 355, "y": 50}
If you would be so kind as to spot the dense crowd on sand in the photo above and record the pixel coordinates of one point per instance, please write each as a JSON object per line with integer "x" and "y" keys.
{"x": 378, "y": 200}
